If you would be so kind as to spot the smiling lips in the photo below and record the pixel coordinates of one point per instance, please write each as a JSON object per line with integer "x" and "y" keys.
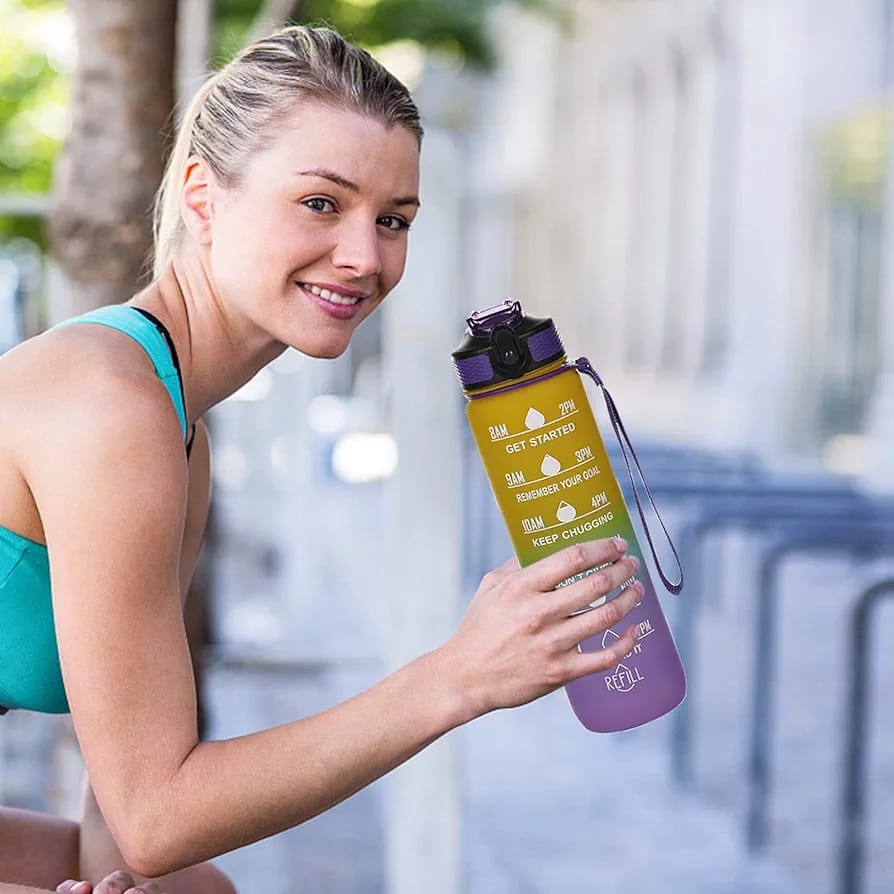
{"x": 344, "y": 297}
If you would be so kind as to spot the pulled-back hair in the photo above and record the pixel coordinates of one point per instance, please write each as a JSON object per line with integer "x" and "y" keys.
{"x": 233, "y": 113}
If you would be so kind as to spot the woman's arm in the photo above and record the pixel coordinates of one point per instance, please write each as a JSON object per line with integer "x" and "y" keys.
{"x": 112, "y": 496}
{"x": 99, "y": 855}
{"x": 101, "y": 858}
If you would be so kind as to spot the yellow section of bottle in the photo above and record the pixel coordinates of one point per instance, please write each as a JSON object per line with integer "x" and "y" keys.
{"x": 547, "y": 465}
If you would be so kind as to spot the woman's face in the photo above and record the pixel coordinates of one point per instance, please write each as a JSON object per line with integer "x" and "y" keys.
{"x": 315, "y": 235}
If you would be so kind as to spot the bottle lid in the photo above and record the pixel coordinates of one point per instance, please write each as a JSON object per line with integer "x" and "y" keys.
{"x": 502, "y": 344}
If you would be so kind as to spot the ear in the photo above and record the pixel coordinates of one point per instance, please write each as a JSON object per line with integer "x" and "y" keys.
{"x": 196, "y": 205}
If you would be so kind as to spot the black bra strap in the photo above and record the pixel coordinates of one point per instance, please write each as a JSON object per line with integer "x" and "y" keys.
{"x": 170, "y": 342}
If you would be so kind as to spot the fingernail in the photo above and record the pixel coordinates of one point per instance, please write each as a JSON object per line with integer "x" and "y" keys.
{"x": 636, "y": 631}
{"x": 81, "y": 888}
{"x": 638, "y": 586}
{"x": 621, "y": 543}
{"x": 635, "y": 562}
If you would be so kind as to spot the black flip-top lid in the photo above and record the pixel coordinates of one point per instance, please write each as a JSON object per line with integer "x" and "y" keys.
{"x": 502, "y": 344}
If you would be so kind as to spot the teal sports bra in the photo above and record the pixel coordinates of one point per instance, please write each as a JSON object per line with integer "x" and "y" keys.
{"x": 30, "y": 677}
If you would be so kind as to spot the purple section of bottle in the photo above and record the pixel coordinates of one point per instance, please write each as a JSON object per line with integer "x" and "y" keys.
{"x": 473, "y": 370}
{"x": 646, "y": 684}
{"x": 545, "y": 344}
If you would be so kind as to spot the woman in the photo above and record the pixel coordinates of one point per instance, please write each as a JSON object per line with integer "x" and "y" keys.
{"x": 282, "y": 222}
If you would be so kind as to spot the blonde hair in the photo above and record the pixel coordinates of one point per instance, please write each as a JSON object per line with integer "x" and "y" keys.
{"x": 232, "y": 114}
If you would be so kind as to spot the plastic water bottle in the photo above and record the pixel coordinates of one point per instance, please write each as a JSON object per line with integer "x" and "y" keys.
{"x": 550, "y": 474}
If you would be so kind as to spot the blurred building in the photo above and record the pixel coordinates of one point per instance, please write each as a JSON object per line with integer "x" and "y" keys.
{"x": 695, "y": 189}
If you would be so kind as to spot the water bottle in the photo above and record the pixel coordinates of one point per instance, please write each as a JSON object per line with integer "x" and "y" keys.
{"x": 552, "y": 480}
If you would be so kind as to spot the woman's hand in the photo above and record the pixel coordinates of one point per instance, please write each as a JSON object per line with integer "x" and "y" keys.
{"x": 116, "y": 883}
{"x": 519, "y": 638}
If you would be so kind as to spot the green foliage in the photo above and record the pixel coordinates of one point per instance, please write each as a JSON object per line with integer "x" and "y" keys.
{"x": 456, "y": 28}
{"x": 33, "y": 101}
{"x": 854, "y": 154}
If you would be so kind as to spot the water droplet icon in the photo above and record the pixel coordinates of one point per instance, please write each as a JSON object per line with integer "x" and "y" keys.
{"x": 566, "y": 512}
{"x": 550, "y": 465}
{"x": 534, "y": 419}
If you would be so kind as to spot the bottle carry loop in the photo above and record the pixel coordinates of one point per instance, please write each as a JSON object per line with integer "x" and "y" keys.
{"x": 583, "y": 365}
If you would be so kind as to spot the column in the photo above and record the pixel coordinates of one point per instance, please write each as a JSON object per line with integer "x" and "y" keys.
{"x": 687, "y": 282}
{"x": 880, "y": 424}
{"x": 193, "y": 46}
{"x": 651, "y": 211}
{"x": 725, "y": 116}
{"x": 423, "y": 514}
{"x": 753, "y": 400}
{"x": 610, "y": 250}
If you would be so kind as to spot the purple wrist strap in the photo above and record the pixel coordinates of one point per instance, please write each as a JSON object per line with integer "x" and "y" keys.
{"x": 584, "y": 366}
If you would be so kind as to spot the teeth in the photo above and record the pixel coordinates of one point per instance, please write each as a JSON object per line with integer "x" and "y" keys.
{"x": 326, "y": 295}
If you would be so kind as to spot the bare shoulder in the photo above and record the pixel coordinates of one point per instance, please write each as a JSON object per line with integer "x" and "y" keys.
{"x": 85, "y": 388}
{"x": 71, "y": 401}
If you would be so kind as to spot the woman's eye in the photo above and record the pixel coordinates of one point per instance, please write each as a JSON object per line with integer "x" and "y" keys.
{"x": 318, "y": 204}
{"x": 394, "y": 223}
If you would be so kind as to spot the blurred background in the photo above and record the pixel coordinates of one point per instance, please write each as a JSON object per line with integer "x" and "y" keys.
{"x": 701, "y": 194}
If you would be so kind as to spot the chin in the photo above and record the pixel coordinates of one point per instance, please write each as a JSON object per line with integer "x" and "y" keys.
{"x": 330, "y": 354}
{"x": 322, "y": 351}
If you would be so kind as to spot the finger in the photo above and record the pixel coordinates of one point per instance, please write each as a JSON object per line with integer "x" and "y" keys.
{"x": 73, "y": 886}
{"x": 577, "y": 596}
{"x": 581, "y": 627}
{"x": 492, "y": 578}
{"x": 548, "y": 573}
{"x": 116, "y": 883}
{"x": 145, "y": 888}
{"x": 584, "y": 663}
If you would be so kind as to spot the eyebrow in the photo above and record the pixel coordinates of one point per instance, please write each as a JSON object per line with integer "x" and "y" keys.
{"x": 353, "y": 187}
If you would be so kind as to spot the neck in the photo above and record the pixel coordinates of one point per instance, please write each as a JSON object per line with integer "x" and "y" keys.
{"x": 217, "y": 354}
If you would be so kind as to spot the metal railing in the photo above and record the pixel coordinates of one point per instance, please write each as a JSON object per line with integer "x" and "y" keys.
{"x": 769, "y": 509}
{"x": 867, "y": 539}
{"x": 853, "y": 802}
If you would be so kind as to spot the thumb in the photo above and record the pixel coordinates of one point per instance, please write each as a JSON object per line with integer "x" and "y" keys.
{"x": 72, "y": 886}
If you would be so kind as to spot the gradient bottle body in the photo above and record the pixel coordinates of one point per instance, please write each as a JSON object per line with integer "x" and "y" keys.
{"x": 550, "y": 474}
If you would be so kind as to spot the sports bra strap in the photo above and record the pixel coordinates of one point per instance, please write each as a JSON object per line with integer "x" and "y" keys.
{"x": 142, "y": 328}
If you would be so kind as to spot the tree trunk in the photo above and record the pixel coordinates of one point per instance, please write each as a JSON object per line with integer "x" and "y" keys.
{"x": 109, "y": 170}
{"x": 111, "y": 164}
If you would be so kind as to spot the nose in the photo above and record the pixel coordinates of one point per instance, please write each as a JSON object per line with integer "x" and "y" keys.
{"x": 357, "y": 249}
